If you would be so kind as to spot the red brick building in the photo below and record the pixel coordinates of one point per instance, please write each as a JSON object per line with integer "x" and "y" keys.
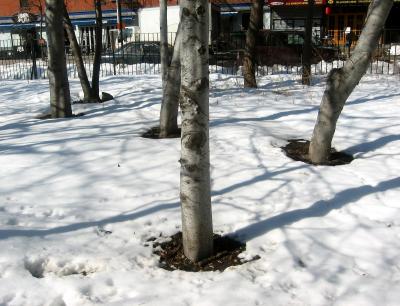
{"x": 19, "y": 17}
{"x": 227, "y": 15}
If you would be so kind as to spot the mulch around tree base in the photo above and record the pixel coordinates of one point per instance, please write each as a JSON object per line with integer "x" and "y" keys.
{"x": 48, "y": 116}
{"x": 297, "y": 149}
{"x": 154, "y": 133}
{"x": 104, "y": 98}
{"x": 226, "y": 254}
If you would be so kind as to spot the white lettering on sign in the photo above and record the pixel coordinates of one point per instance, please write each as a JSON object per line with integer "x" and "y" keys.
{"x": 23, "y": 18}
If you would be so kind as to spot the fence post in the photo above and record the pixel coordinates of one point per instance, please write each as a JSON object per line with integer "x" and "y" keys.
{"x": 113, "y": 55}
{"x": 34, "y": 73}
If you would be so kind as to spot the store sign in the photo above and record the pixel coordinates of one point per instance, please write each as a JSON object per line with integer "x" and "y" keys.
{"x": 276, "y": 3}
{"x": 24, "y": 17}
{"x": 293, "y": 2}
{"x": 317, "y": 2}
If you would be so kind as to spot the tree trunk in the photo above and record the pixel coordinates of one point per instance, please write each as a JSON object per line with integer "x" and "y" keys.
{"x": 60, "y": 99}
{"x": 170, "y": 103}
{"x": 249, "y": 60}
{"x": 341, "y": 82}
{"x": 97, "y": 51}
{"x": 307, "y": 47}
{"x": 164, "y": 56}
{"x": 195, "y": 156}
{"x": 77, "y": 54}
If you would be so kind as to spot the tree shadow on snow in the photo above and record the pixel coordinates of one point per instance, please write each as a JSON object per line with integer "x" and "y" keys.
{"x": 318, "y": 209}
{"x": 4, "y": 234}
{"x": 370, "y": 146}
{"x": 308, "y": 109}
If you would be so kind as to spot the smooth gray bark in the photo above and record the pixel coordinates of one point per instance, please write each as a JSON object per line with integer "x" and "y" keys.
{"x": 164, "y": 57}
{"x": 341, "y": 82}
{"x": 306, "y": 73}
{"x": 60, "y": 99}
{"x": 195, "y": 156}
{"x": 170, "y": 102}
{"x": 249, "y": 60}
{"x": 97, "y": 50}
{"x": 77, "y": 54}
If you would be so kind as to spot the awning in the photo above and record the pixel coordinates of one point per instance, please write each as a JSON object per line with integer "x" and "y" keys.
{"x": 18, "y": 26}
{"x": 229, "y": 8}
{"x": 106, "y": 21}
{"x": 84, "y": 18}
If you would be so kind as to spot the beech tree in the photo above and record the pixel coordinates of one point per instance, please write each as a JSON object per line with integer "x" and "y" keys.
{"x": 91, "y": 93}
{"x": 77, "y": 54}
{"x": 60, "y": 99}
{"x": 171, "y": 88}
{"x": 307, "y": 46}
{"x": 97, "y": 51}
{"x": 341, "y": 82}
{"x": 249, "y": 60}
{"x": 195, "y": 195}
{"x": 164, "y": 41}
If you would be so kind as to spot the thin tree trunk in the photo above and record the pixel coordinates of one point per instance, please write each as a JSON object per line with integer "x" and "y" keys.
{"x": 170, "y": 103}
{"x": 97, "y": 52}
{"x": 164, "y": 56}
{"x": 307, "y": 47}
{"x": 341, "y": 82}
{"x": 249, "y": 60}
{"x": 195, "y": 156}
{"x": 60, "y": 99}
{"x": 41, "y": 19}
{"x": 77, "y": 54}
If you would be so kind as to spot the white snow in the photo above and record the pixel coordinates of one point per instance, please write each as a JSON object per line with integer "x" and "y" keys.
{"x": 79, "y": 197}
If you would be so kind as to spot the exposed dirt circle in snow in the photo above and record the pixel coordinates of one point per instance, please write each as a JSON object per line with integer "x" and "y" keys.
{"x": 154, "y": 133}
{"x": 226, "y": 254}
{"x": 297, "y": 149}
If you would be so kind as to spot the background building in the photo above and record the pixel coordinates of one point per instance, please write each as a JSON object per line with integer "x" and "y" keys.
{"x": 22, "y": 18}
{"x": 331, "y": 18}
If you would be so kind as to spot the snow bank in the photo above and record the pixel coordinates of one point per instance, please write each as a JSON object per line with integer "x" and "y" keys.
{"x": 80, "y": 197}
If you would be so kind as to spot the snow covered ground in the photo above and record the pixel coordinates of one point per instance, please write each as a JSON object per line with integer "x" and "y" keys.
{"x": 80, "y": 197}
{"x": 22, "y": 70}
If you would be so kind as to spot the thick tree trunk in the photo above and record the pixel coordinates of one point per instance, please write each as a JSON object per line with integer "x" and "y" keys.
{"x": 249, "y": 60}
{"x": 77, "y": 54}
{"x": 97, "y": 51}
{"x": 341, "y": 82}
{"x": 60, "y": 99}
{"x": 164, "y": 56}
{"x": 195, "y": 156}
{"x": 307, "y": 47}
{"x": 170, "y": 103}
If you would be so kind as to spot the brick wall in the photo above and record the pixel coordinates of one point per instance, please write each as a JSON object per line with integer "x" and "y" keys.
{"x": 9, "y": 7}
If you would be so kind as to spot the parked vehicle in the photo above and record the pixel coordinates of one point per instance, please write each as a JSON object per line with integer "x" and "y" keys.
{"x": 6, "y": 53}
{"x": 134, "y": 53}
{"x": 281, "y": 47}
{"x": 21, "y": 50}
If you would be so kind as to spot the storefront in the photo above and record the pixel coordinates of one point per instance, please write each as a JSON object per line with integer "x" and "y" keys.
{"x": 21, "y": 24}
{"x": 233, "y": 16}
{"x": 332, "y": 18}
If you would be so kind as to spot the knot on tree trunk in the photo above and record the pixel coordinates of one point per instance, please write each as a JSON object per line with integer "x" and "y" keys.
{"x": 200, "y": 10}
{"x": 195, "y": 140}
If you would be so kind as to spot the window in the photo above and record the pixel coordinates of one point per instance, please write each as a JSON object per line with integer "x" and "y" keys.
{"x": 24, "y": 4}
{"x": 295, "y": 39}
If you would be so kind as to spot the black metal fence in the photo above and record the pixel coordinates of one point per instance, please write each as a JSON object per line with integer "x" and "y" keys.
{"x": 276, "y": 53}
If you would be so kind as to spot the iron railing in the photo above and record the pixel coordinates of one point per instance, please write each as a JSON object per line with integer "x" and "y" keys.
{"x": 140, "y": 55}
